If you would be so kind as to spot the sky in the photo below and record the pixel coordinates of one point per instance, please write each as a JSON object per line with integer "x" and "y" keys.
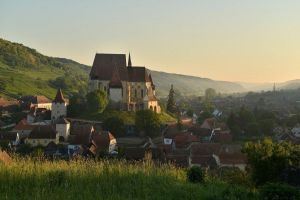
{"x": 232, "y": 40}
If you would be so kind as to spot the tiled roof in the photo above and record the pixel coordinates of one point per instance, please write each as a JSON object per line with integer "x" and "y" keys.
{"x": 222, "y": 137}
{"x": 205, "y": 149}
{"x": 233, "y": 158}
{"x": 183, "y": 139}
{"x": 115, "y": 81}
{"x": 178, "y": 160}
{"x": 134, "y": 153}
{"x": 40, "y": 100}
{"x": 59, "y": 98}
{"x": 102, "y": 139}
{"x": 138, "y": 74}
{"x": 43, "y": 132}
{"x": 23, "y": 125}
{"x": 104, "y": 64}
{"x": 6, "y": 103}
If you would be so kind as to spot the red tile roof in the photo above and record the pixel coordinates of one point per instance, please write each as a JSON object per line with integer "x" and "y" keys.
{"x": 102, "y": 139}
{"x": 183, "y": 139}
{"x": 41, "y": 100}
{"x": 7, "y": 103}
{"x": 205, "y": 149}
{"x": 23, "y": 125}
{"x": 233, "y": 158}
{"x": 115, "y": 81}
{"x": 43, "y": 132}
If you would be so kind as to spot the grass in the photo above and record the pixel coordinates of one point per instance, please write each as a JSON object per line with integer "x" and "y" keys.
{"x": 128, "y": 117}
{"x": 26, "y": 178}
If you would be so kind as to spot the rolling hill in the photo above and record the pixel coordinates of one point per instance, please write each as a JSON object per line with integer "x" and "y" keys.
{"x": 24, "y": 71}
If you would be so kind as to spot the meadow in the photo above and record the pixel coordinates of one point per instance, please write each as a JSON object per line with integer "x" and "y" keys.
{"x": 27, "y": 178}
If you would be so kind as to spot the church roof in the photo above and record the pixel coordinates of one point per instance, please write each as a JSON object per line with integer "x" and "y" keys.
{"x": 43, "y": 132}
{"x": 104, "y": 66}
{"x": 115, "y": 81}
{"x": 105, "y": 63}
{"x": 138, "y": 74}
{"x": 59, "y": 98}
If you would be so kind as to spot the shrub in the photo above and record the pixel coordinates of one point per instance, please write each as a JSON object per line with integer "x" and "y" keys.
{"x": 196, "y": 175}
{"x": 279, "y": 191}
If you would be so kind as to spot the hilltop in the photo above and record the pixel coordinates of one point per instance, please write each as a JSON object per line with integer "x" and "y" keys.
{"x": 24, "y": 71}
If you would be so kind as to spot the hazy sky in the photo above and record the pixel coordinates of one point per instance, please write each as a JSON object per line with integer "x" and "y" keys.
{"x": 234, "y": 40}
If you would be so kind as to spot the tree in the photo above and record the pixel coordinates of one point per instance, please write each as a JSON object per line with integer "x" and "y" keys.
{"x": 96, "y": 101}
{"x": 171, "y": 105}
{"x": 76, "y": 105}
{"x": 115, "y": 125}
{"x": 268, "y": 160}
{"x": 148, "y": 122}
{"x": 210, "y": 93}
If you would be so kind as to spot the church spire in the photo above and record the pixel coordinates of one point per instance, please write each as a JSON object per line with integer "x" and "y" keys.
{"x": 129, "y": 61}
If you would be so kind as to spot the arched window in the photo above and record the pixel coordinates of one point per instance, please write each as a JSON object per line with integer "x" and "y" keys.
{"x": 142, "y": 93}
{"x": 135, "y": 93}
{"x": 151, "y": 108}
{"x": 155, "y": 109}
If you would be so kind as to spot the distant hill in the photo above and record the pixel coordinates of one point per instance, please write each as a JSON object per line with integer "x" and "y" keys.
{"x": 287, "y": 85}
{"x": 24, "y": 71}
{"x": 191, "y": 85}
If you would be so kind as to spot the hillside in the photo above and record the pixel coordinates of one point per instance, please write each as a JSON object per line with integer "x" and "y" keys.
{"x": 191, "y": 85}
{"x": 24, "y": 71}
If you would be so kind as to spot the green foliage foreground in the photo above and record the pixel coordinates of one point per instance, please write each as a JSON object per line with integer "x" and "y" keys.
{"x": 87, "y": 179}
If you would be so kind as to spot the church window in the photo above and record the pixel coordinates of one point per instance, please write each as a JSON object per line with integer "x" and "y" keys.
{"x": 135, "y": 93}
{"x": 142, "y": 93}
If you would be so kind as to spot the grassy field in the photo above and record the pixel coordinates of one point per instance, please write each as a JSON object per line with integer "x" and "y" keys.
{"x": 86, "y": 179}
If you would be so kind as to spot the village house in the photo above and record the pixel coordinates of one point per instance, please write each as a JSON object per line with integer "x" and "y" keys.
{"x": 62, "y": 127}
{"x": 42, "y": 136}
{"x": 129, "y": 87}
{"x": 24, "y": 128}
{"x": 9, "y": 139}
{"x": 59, "y": 106}
{"x": 35, "y": 101}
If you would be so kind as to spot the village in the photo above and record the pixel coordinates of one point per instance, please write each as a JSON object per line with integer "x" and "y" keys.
{"x": 47, "y": 128}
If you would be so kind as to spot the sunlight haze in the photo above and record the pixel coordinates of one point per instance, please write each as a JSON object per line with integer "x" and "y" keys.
{"x": 232, "y": 40}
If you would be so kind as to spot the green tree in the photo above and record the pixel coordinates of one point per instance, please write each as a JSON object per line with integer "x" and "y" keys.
{"x": 96, "y": 101}
{"x": 76, "y": 105}
{"x": 115, "y": 125}
{"x": 268, "y": 160}
{"x": 210, "y": 93}
{"x": 171, "y": 105}
{"x": 148, "y": 122}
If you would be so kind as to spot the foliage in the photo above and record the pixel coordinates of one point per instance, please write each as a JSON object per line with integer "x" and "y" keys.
{"x": 210, "y": 93}
{"x": 96, "y": 101}
{"x": 196, "y": 175}
{"x": 87, "y": 179}
{"x": 20, "y": 66}
{"x": 268, "y": 160}
{"x": 115, "y": 125}
{"x": 76, "y": 105}
{"x": 148, "y": 122}
{"x": 171, "y": 104}
{"x": 278, "y": 191}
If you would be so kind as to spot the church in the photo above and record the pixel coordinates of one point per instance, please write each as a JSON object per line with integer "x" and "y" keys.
{"x": 131, "y": 87}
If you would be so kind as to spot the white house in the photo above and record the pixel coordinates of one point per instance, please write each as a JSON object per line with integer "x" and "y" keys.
{"x": 62, "y": 127}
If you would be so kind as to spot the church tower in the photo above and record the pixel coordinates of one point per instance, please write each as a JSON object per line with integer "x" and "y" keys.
{"x": 59, "y": 106}
{"x": 129, "y": 61}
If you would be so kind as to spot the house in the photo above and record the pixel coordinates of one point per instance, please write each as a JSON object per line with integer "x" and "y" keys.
{"x": 80, "y": 134}
{"x": 62, "y": 127}
{"x": 203, "y": 133}
{"x": 9, "y": 139}
{"x": 129, "y": 87}
{"x": 24, "y": 128}
{"x": 35, "y": 101}
{"x": 59, "y": 106}
{"x": 8, "y": 105}
{"x": 42, "y": 135}
{"x": 232, "y": 160}
{"x": 184, "y": 139}
{"x": 103, "y": 141}
{"x": 204, "y": 154}
{"x": 222, "y": 137}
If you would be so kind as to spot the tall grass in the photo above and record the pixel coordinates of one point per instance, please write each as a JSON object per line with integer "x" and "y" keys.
{"x": 27, "y": 178}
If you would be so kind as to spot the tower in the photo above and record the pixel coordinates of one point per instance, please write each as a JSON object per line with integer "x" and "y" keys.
{"x": 129, "y": 61}
{"x": 59, "y": 106}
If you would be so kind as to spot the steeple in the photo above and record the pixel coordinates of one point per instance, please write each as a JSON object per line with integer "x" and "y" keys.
{"x": 59, "y": 98}
{"x": 129, "y": 61}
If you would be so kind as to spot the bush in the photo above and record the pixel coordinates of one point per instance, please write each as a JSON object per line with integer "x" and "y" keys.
{"x": 196, "y": 175}
{"x": 278, "y": 191}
